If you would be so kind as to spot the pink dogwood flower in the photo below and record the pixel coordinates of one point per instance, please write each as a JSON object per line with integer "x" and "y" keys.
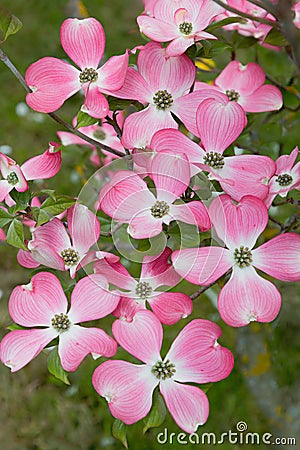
{"x": 244, "y": 84}
{"x": 53, "y": 81}
{"x": 39, "y": 167}
{"x": 163, "y": 85}
{"x": 52, "y": 246}
{"x": 195, "y": 356}
{"x": 286, "y": 176}
{"x": 156, "y": 272}
{"x": 182, "y": 23}
{"x": 103, "y": 133}
{"x": 246, "y": 297}
{"x": 127, "y": 199}
{"x": 149, "y": 5}
{"x": 42, "y": 303}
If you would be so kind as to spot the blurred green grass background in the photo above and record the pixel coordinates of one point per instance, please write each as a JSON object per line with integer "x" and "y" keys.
{"x": 40, "y": 413}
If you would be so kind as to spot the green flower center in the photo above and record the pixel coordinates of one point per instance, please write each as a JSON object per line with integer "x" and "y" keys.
{"x": 160, "y": 209}
{"x": 61, "y": 322}
{"x": 143, "y": 290}
{"x": 99, "y": 135}
{"x": 284, "y": 180}
{"x": 162, "y": 99}
{"x": 12, "y": 178}
{"x": 232, "y": 95}
{"x": 70, "y": 257}
{"x": 243, "y": 256}
{"x": 163, "y": 369}
{"x": 186, "y": 28}
{"x": 214, "y": 159}
{"x": 88, "y": 74}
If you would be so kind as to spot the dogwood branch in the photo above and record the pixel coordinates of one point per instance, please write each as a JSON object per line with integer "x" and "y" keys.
{"x": 271, "y": 23}
{"x": 200, "y": 291}
{"x": 4, "y": 58}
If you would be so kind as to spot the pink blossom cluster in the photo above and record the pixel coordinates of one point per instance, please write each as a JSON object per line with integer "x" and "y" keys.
{"x": 184, "y": 129}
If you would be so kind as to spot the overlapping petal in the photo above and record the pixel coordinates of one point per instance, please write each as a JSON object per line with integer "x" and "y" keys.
{"x": 170, "y": 307}
{"x": 84, "y": 227}
{"x": 43, "y": 166}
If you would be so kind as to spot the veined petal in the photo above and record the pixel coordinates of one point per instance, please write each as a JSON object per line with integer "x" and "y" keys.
{"x": 19, "y": 347}
{"x": 280, "y": 257}
{"x": 36, "y": 303}
{"x": 158, "y": 270}
{"x": 125, "y": 196}
{"x": 177, "y": 142}
{"x": 76, "y": 343}
{"x": 84, "y": 41}
{"x": 207, "y": 11}
{"x": 139, "y": 127}
{"x": 135, "y": 87}
{"x": 95, "y": 103}
{"x": 170, "y": 307}
{"x": 249, "y": 173}
{"x": 170, "y": 173}
{"x": 185, "y": 107}
{"x": 26, "y": 259}
{"x": 179, "y": 45}
{"x": 202, "y": 265}
{"x": 127, "y": 387}
{"x": 194, "y": 213}
{"x": 110, "y": 267}
{"x": 175, "y": 74}
{"x": 91, "y": 299}
{"x": 219, "y": 123}
{"x": 43, "y": 166}
{"x": 5, "y": 188}
{"x": 248, "y": 297}
{"x": 142, "y": 337}
{"x": 143, "y": 225}
{"x": 112, "y": 74}
{"x": 84, "y": 227}
{"x": 285, "y": 162}
{"x": 155, "y": 29}
{"x": 238, "y": 224}
{"x": 52, "y": 81}
{"x": 265, "y": 98}
{"x": 197, "y": 355}
{"x": 188, "y": 405}
{"x": 127, "y": 308}
{"x": 243, "y": 79}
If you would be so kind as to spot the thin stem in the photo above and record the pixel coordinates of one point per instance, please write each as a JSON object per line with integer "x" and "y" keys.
{"x": 271, "y": 23}
{"x": 201, "y": 290}
{"x": 277, "y": 222}
{"x": 4, "y": 58}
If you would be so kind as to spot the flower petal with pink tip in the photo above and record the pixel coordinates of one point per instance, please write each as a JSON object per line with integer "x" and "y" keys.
{"x": 76, "y": 343}
{"x": 52, "y": 81}
{"x": 219, "y": 123}
{"x": 188, "y": 405}
{"x": 25, "y": 259}
{"x": 156, "y": 30}
{"x": 95, "y": 103}
{"x": 243, "y": 79}
{"x": 36, "y": 303}
{"x": 91, "y": 299}
{"x": 238, "y": 224}
{"x": 111, "y": 75}
{"x": 127, "y": 387}
{"x": 84, "y": 227}
{"x": 285, "y": 162}
{"x": 158, "y": 270}
{"x": 197, "y": 355}
{"x": 194, "y": 213}
{"x": 248, "y": 297}
{"x": 280, "y": 257}
{"x": 266, "y": 98}
{"x": 43, "y": 166}
{"x": 84, "y": 41}
{"x": 5, "y": 188}
{"x": 142, "y": 337}
{"x": 170, "y": 173}
{"x": 170, "y": 307}
{"x": 19, "y": 347}
{"x": 110, "y": 267}
{"x": 135, "y": 87}
{"x": 202, "y": 265}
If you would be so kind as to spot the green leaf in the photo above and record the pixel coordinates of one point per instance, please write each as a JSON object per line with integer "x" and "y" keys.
{"x": 15, "y": 235}
{"x": 270, "y": 132}
{"x": 222, "y": 23}
{"x": 55, "y": 367}
{"x": 15, "y": 326}
{"x": 157, "y": 414}
{"x": 119, "y": 431}
{"x": 54, "y": 206}
{"x": 240, "y": 41}
{"x": 117, "y": 104}
{"x": 274, "y": 37}
{"x": 84, "y": 120}
{"x": 5, "y": 218}
{"x": 9, "y": 24}
{"x": 22, "y": 199}
{"x": 210, "y": 49}
{"x": 42, "y": 217}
